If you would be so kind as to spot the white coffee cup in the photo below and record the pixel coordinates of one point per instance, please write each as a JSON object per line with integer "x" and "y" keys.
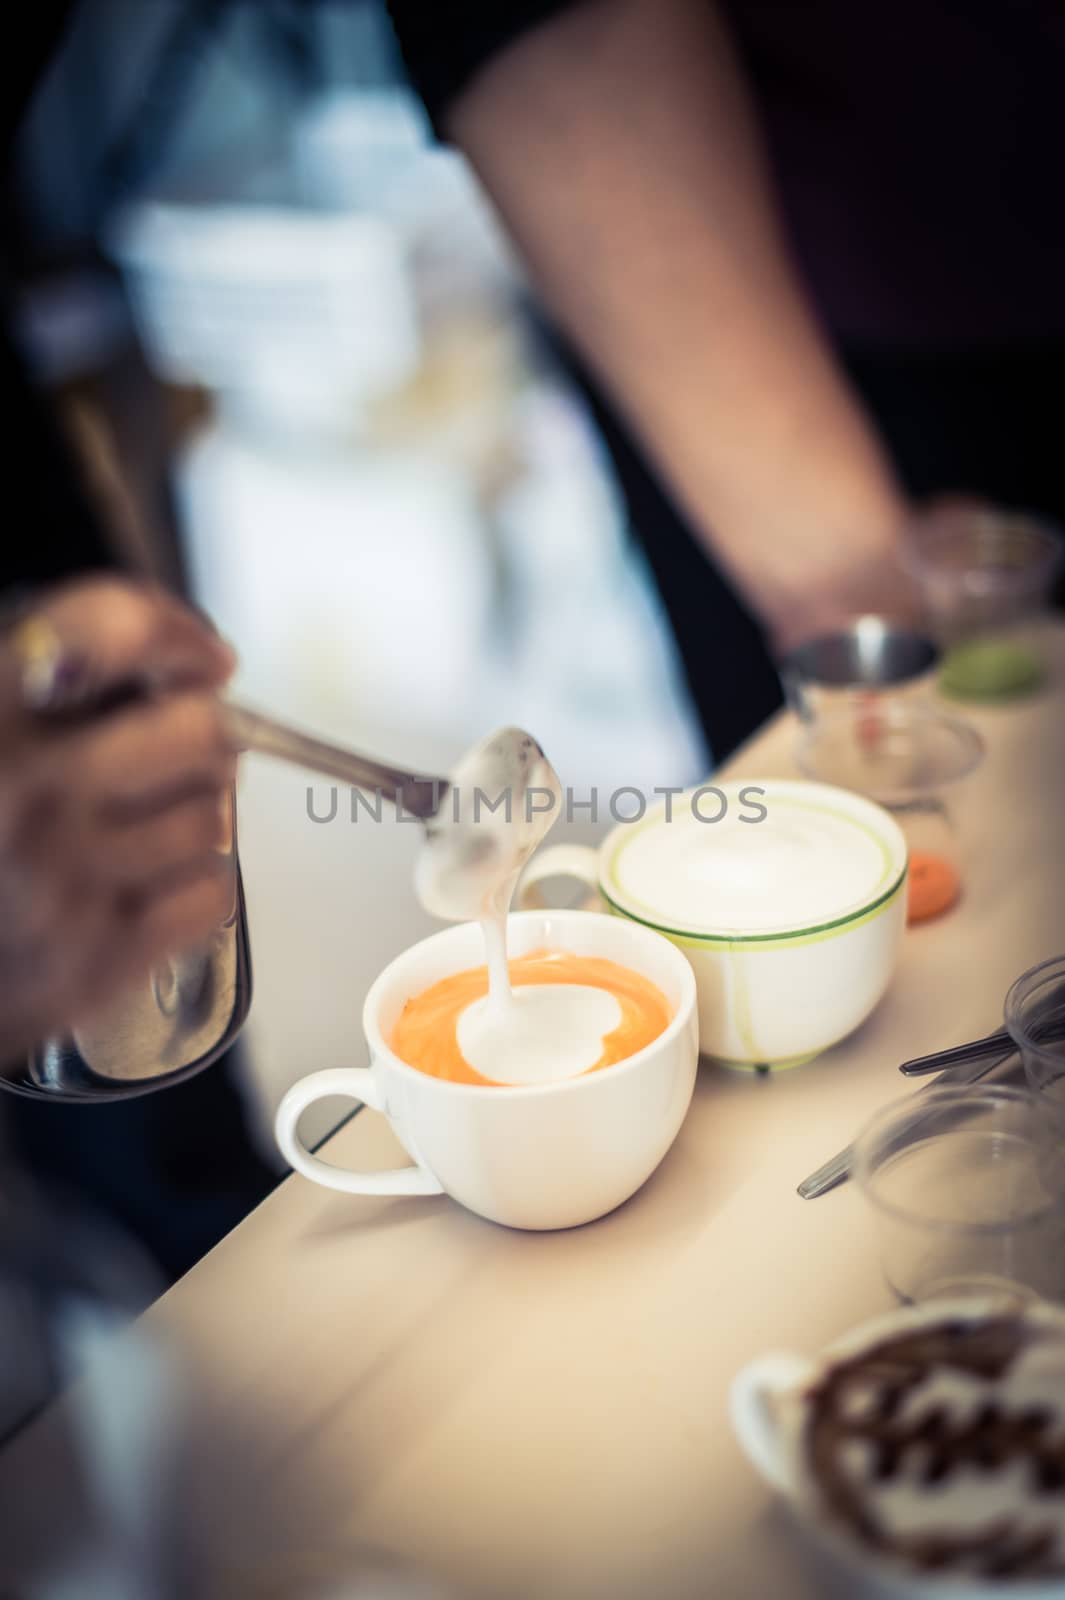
{"x": 548, "y": 1155}
{"x": 769, "y": 1407}
{"x": 776, "y": 986}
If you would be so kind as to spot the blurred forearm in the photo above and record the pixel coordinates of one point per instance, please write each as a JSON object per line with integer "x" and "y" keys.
{"x": 619, "y": 143}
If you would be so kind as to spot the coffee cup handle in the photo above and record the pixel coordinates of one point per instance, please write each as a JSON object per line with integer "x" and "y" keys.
{"x": 355, "y": 1083}
{"x": 578, "y": 861}
{"x": 752, "y": 1411}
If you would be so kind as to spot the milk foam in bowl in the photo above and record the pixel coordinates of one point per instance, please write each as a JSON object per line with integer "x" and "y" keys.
{"x": 787, "y": 897}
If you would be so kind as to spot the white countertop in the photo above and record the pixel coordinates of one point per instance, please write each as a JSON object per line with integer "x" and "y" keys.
{"x": 544, "y": 1414}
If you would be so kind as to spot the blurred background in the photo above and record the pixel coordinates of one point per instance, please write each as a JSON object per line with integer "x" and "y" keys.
{"x": 315, "y": 392}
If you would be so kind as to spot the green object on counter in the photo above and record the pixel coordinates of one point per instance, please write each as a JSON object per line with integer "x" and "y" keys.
{"x": 989, "y": 669}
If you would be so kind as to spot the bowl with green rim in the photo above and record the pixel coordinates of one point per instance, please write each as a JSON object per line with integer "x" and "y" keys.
{"x": 788, "y": 898}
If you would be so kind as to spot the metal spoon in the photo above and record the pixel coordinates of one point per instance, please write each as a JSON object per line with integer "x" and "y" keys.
{"x": 420, "y": 796}
{"x": 997, "y": 1043}
{"x": 476, "y": 845}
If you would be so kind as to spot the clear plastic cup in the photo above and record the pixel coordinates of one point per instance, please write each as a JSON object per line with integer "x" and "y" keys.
{"x": 1035, "y": 1019}
{"x": 915, "y": 762}
{"x": 985, "y": 578}
{"x": 958, "y": 1184}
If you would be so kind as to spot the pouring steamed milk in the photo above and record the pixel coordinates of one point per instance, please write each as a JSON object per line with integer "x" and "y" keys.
{"x": 549, "y": 1015}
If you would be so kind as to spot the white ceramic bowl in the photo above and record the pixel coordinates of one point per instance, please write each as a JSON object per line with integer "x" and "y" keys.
{"x": 549, "y": 1155}
{"x": 769, "y": 1410}
{"x": 778, "y": 992}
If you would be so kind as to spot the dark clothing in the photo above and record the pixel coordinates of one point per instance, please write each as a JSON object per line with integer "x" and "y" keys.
{"x": 986, "y": 420}
{"x": 917, "y": 147}
{"x": 28, "y": 48}
{"x": 61, "y": 535}
{"x": 176, "y": 1169}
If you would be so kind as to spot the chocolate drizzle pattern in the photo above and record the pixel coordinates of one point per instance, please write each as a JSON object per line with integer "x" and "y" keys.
{"x": 876, "y": 1425}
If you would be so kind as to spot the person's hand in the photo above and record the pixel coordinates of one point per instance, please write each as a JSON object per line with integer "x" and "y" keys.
{"x": 882, "y": 587}
{"x": 113, "y": 824}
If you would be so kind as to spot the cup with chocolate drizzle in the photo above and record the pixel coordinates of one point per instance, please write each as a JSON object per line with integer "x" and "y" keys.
{"x": 926, "y": 1449}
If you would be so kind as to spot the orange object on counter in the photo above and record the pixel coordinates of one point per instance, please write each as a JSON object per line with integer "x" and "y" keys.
{"x": 934, "y": 885}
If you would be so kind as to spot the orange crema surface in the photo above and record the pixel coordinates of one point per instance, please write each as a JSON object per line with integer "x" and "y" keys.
{"x": 426, "y": 1035}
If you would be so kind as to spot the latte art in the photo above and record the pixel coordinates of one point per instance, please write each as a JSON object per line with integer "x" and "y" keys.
{"x": 569, "y": 1015}
{"x": 945, "y": 1448}
{"x": 552, "y": 1031}
{"x": 469, "y": 867}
